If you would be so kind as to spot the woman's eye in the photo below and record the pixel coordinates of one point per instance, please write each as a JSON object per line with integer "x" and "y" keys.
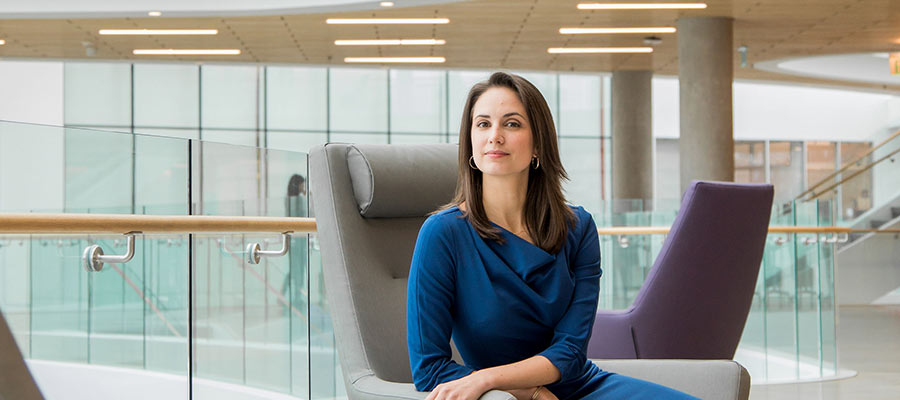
{"x": 482, "y": 124}
{"x": 513, "y": 124}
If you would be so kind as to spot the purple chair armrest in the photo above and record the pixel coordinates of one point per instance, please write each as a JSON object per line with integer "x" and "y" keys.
{"x": 611, "y": 336}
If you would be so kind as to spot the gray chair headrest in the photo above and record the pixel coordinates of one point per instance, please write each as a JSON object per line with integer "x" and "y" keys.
{"x": 396, "y": 180}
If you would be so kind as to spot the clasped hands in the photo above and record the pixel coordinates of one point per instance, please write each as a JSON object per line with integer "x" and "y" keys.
{"x": 472, "y": 386}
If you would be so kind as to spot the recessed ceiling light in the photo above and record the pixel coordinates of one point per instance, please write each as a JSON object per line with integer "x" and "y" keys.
{"x": 154, "y": 13}
{"x": 641, "y": 6}
{"x": 593, "y": 50}
{"x": 387, "y": 21}
{"x": 2, "y": 42}
{"x": 159, "y": 32}
{"x": 187, "y": 52}
{"x": 390, "y": 42}
{"x": 579, "y": 31}
{"x": 387, "y": 3}
{"x": 394, "y": 60}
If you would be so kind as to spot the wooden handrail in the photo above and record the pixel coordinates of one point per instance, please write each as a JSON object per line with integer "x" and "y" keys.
{"x": 662, "y": 230}
{"x": 847, "y": 165}
{"x": 875, "y": 231}
{"x": 124, "y": 223}
{"x": 853, "y": 175}
{"x": 34, "y": 223}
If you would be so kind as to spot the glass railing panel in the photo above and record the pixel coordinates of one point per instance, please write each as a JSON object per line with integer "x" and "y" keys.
{"x": 752, "y": 350}
{"x": 165, "y": 286}
{"x": 808, "y": 291}
{"x": 219, "y": 284}
{"x": 298, "y": 293}
{"x": 885, "y": 174}
{"x": 262, "y": 307}
{"x": 292, "y": 270}
{"x": 628, "y": 259}
{"x": 99, "y": 170}
{"x": 855, "y": 194}
{"x": 267, "y": 318}
{"x": 262, "y": 326}
{"x": 622, "y": 274}
{"x": 779, "y": 272}
{"x": 116, "y": 318}
{"x": 161, "y": 175}
{"x": 107, "y": 318}
{"x": 865, "y": 189}
{"x": 31, "y": 167}
{"x": 223, "y": 174}
{"x": 286, "y": 184}
{"x": 15, "y": 287}
{"x": 325, "y": 377}
{"x": 60, "y": 300}
{"x": 825, "y": 293}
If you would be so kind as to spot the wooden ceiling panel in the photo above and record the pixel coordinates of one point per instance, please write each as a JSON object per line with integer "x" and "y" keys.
{"x": 513, "y": 34}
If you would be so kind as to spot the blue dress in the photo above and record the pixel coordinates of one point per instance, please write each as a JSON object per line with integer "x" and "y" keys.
{"x": 503, "y": 303}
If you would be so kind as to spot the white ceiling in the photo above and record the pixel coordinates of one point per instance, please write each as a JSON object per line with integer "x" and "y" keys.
{"x": 39, "y": 9}
{"x": 856, "y": 67}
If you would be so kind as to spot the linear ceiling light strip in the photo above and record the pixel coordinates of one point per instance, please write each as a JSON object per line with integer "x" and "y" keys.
{"x": 598, "y": 50}
{"x": 158, "y": 31}
{"x": 641, "y": 6}
{"x": 345, "y": 21}
{"x": 186, "y": 52}
{"x": 390, "y": 42}
{"x": 589, "y": 31}
{"x": 394, "y": 60}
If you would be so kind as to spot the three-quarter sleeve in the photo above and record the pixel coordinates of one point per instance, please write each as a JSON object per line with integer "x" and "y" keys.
{"x": 568, "y": 348}
{"x": 429, "y": 320}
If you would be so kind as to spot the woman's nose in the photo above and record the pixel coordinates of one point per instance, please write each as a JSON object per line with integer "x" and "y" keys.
{"x": 495, "y": 135}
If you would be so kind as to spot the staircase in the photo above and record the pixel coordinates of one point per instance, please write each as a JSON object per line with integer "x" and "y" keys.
{"x": 884, "y": 216}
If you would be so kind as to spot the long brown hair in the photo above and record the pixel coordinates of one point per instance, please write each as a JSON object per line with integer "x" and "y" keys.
{"x": 547, "y": 217}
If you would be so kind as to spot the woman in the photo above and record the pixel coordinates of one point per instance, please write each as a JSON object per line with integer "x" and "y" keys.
{"x": 507, "y": 269}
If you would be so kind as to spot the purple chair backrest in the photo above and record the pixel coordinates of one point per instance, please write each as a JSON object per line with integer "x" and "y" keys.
{"x": 695, "y": 301}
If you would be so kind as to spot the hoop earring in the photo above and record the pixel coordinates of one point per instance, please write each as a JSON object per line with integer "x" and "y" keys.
{"x": 472, "y": 162}
{"x": 535, "y": 165}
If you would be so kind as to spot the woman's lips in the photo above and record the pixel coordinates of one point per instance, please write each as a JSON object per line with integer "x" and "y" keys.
{"x": 496, "y": 154}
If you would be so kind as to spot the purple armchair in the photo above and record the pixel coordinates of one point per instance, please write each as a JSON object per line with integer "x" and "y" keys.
{"x": 695, "y": 301}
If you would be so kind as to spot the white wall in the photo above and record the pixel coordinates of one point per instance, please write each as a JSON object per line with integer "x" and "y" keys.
{"x": 31, "y": 91}
{"x": 787, "y": 112}
{"x": 31, "y": 156}
{"x": 867, "y": 269}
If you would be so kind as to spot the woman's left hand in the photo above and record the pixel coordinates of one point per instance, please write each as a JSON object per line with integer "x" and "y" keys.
{"x": 469, "y": 387}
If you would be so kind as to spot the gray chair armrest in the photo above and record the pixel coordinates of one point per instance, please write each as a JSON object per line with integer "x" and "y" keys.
{"x": 706, "y": 379}
{"x": 371, "y": 388}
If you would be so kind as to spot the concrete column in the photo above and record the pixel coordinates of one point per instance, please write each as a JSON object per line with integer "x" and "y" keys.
{"x": 632, "y": 135}
{"x": 705, "y": 74}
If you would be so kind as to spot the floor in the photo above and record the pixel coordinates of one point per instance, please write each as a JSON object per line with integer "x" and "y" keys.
{"x": 869, "y": 343}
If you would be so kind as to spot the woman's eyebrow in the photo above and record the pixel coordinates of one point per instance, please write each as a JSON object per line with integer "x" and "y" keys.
{"x": 504, "y": 115}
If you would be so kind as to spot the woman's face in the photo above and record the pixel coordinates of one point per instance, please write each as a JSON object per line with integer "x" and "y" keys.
{"x": 501, "y": 133}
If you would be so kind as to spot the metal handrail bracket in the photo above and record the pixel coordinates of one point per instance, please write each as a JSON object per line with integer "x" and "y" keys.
{"x": 255, "y": 251}
{"x": 92, "y": 259}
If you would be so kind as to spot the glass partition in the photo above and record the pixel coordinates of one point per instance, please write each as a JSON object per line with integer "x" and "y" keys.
{"x": 189, "y": 307}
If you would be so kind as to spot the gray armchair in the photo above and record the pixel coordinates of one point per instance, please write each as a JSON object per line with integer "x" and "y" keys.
{"x": 369, "y": 203}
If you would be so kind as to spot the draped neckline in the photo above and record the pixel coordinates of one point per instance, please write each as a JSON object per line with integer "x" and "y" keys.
{"x": 519, "y": 254}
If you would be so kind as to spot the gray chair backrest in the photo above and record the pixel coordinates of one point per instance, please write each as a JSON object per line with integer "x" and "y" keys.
{"x": 16, "y": 382}
{"x": 369, "y": 203}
